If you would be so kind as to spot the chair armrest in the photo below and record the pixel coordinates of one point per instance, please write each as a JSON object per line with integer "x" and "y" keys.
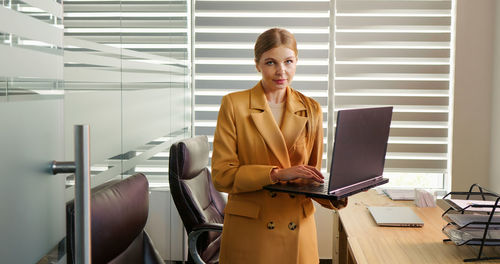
{"x": 208, "y": 227}
{"x": 195, "y": 234}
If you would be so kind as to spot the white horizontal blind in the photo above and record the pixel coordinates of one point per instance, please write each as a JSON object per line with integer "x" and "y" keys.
{"x": 225, "y": 34}
{"x": 398, "y": 53}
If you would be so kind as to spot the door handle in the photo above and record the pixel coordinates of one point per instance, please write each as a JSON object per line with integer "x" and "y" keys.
{"x": 81, "y": 168}
{"x": 62, "y": 167}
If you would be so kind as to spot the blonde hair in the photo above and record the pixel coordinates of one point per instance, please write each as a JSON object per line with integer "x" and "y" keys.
{"x": 273, "y": 38}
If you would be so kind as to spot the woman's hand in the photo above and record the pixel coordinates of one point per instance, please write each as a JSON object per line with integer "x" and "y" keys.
{"x": 297, "y": 172}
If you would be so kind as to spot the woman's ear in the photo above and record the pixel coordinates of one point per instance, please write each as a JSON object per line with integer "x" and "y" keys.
{"x": 257, "y": 66}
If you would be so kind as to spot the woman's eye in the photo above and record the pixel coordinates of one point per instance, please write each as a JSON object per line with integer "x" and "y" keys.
{"x": 269, "y": 63}
{"x": 289, "y": 61}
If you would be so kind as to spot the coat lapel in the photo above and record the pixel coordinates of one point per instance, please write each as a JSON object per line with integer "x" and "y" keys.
{"x": 293, "y": 123}
{"x": 267, "y": 127}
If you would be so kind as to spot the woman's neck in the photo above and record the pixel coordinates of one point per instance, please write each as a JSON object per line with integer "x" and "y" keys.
{"x": 276, "y": 96}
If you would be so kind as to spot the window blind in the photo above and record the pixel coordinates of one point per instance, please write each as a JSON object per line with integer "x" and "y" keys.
{"x": 399, "y": 53}
{"x": 224, "y": 37}
{"x": 384, "y": 53}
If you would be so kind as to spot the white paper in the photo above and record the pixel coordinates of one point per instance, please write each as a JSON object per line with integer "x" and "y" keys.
{"x": 467, "y": 204}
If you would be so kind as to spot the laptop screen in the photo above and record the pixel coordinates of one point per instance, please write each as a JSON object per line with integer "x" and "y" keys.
{"x": 360, "y": 145}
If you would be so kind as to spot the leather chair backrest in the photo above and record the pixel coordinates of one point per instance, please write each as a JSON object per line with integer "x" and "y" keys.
{"x": 191, "y": 186}
{"x": 119, "y": 212}
{"x": 191, "y": 179}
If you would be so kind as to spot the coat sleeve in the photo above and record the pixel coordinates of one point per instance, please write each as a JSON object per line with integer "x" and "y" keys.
{"x": 317, "y": 156}
{"x": 228, "y": 175}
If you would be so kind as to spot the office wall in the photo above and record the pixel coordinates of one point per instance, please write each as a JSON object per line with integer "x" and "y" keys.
{"x": 495, "y": 116}
{"x": 473, "y": 87}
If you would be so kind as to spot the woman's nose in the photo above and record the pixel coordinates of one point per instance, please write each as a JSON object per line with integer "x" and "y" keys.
{"x": 280, "y": 68}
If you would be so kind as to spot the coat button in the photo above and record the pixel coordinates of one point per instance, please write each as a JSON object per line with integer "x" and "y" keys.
{"x": 292, "y": 195}
{"x": 270, "y": 225}
{"x": 272, "y": 194}
{"x": 292, "y": 226}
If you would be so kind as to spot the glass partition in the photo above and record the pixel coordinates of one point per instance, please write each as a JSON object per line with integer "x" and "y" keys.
{"x": 122, "y": 67}
{"x": 127, "y": 75}
{"x": 31, "y": 94}
{"x": 31, "y": 49}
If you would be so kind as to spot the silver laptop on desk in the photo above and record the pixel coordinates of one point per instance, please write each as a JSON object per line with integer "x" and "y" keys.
{"x": 395, "y": 216}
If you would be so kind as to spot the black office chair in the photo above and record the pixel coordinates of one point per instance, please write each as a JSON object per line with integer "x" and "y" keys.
{"x": 200, "y": 206}
{"x": 119, "y": 211}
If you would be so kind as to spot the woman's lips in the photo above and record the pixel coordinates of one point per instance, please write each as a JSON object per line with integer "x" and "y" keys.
{"x": 280, "y": 81}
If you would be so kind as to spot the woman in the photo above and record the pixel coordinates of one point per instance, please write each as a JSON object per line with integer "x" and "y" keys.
{"x": 267, "y": 134}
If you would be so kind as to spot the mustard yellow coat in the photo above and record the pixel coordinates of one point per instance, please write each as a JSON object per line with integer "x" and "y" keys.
{"x": 262, "y": 226}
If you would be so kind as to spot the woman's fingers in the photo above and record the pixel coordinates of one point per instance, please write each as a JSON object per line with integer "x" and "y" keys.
{"x": 316, "y": 171}
{"x": 317, "y": 178}
{"x": 302, "y": 171}
{"x": 314, "y": 174}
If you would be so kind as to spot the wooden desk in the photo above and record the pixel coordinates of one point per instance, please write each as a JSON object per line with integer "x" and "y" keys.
{"x": 362, "y": 241}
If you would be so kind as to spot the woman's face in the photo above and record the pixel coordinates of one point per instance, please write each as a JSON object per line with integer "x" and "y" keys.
{"x": 278, "y": 67}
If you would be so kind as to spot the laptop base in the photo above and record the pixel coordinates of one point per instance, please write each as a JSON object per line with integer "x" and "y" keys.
{"x": 309, "y": 190}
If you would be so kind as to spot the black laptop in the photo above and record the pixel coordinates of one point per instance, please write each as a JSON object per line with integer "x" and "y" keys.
{"x": 358, "y": 156}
